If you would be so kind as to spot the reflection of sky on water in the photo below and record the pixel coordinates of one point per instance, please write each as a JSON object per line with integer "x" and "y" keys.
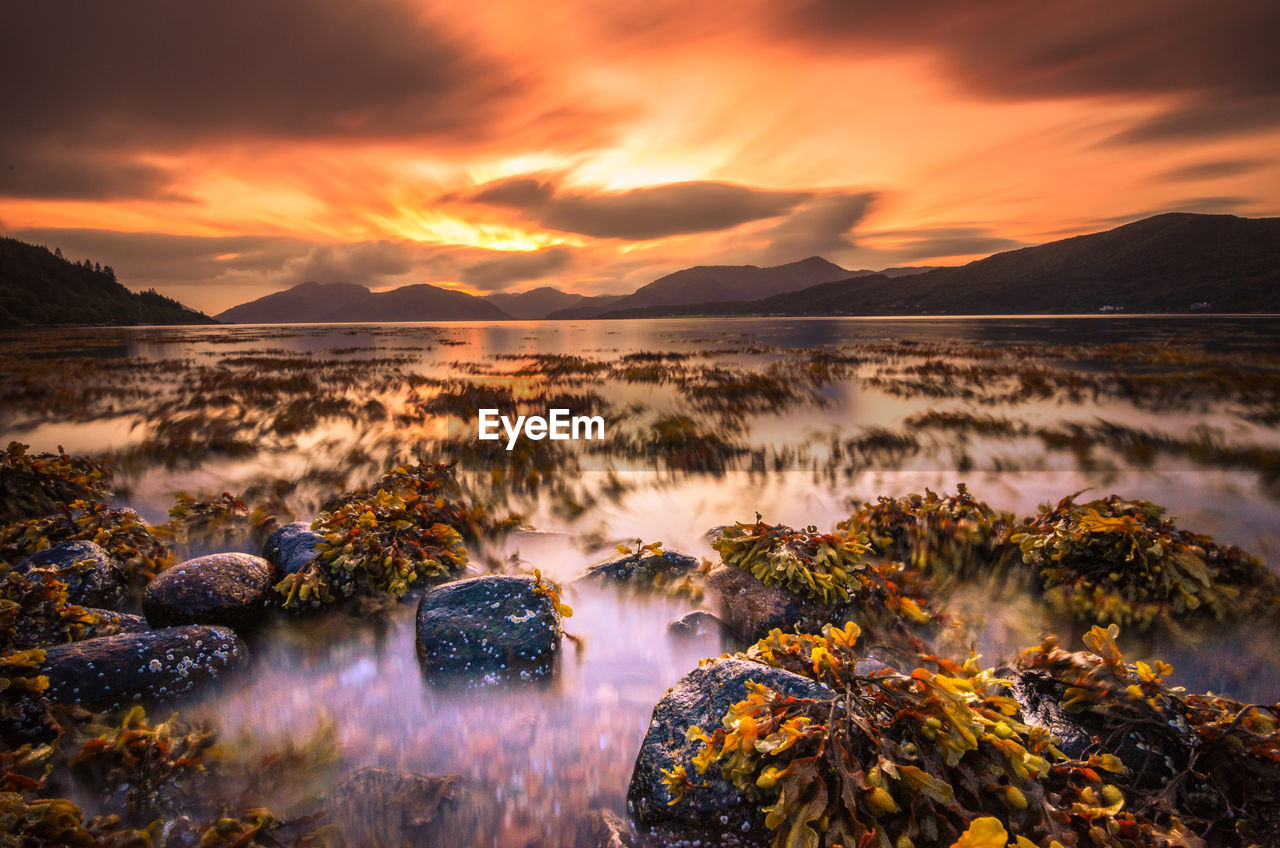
{"x": 551, "y": 753}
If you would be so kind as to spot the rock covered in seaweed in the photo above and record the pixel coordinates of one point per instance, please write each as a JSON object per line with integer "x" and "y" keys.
{"x": 713, "y": 807}
{"x": 229, "y": 589}
{"x": 292, "y": 547}
{"x": 374, "y": 806}
{"x": 93, "y": 578}
{"x": 111, "y": 671}
{"x": 493, "y": 627}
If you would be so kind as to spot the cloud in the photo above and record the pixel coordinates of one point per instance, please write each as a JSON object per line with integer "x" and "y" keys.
{"x": 1214, "y": 60}
{"x": 518, "y": 192}
{"x": 508, "y": 269}
{"x": 362, "y": 262}
{"x": 818, "y": 228}
{"x": 1212, "y": 170}
{"x": 48, "y": 173}
{"x": 941, "y": 242}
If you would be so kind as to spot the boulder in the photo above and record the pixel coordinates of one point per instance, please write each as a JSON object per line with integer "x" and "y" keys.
{"x": 492, "y": 628}
{"x": 713, "y": 809}
{"x": 111, "y": 622}
{"x": 696, "y": 625}
{"x": 292, "y": 547}
{"x": 374, "y": 807}
{"x": 113, "y": 671}
{"x": 228, "y": 589}
{"x": 641, "y": 570}
{"x": 751, "y": 609}
{"x": 603, "y": 829}
{"x": 93, "y": 577}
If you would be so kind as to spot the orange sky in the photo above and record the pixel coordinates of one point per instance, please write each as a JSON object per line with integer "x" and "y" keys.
{"x": 221, "y": 152}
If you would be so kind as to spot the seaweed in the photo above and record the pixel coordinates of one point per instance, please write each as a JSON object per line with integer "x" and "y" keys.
{"x": 405, "y": 529}
{"x": 1120, "y": 561}
{"x": 32, "y": 485}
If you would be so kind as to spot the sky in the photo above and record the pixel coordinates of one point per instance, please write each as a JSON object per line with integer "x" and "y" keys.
{"x": 220, "y": 151}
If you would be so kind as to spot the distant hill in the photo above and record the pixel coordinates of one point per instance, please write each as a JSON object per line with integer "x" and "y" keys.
{"x": 308, "y": 303}
{"x": 535, "y": 303}
{"x": 588, "y": 306}
{"x": 706, "y": 283}
{"x": 1178, "y": 262}
{"x": 41, "y": 287}
{"x": 321, "y": 303}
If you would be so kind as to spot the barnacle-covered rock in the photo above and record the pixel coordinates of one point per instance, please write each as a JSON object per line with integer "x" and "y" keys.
{"x": 120, "y": 532}
{"x": 292, "y": 547}
{"x": 374, "y": 806}
{"x": 92, "y": 576}
{"x": 713, "y": 806}
{"x": 648, "y": 566}
{"x": 697, "y": 624}
{"x": 490, "y": 628}
{"x": 113, "y": 671}
{"x": 229, "y": 589}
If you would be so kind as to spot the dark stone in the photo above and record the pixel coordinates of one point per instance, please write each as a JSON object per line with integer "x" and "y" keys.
{"x": 751, "y": 609}
{"x": 93, "y": 577}
{"x": 651, "y": 569}
{"x": 230, "y": 589}
{"x": 603, "y": 829}
{"x": 713, "y": 808}
{"x": 697, "y": 624}
{"x": 374, "y": 806}
{"x": 292, "y": 547}
{"x": 496, "y": 627}
{"x": 114, "y": 671}
{"x": 112, "y": 622}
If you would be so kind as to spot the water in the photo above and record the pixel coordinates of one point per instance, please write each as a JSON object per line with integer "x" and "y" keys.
{"x": 206, "y": 410}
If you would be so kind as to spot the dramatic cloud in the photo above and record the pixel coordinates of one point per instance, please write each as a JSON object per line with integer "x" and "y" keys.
{"x": 365, "y": 263}
{"x": 1212, "y": 170}
{"x": 518, "y": 192}
{"x": 508, "y": 269}
{"x": 819, "y": 228}
{"x": 1217, "y": 62}
{"x": 48, "y": 173}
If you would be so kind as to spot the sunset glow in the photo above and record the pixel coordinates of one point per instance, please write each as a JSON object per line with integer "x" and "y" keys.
{"x": 598, "y": 146}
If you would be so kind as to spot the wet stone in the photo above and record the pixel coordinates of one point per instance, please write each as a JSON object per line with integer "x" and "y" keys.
{"x": 292, "y": 547}
{"x": 751, "y": 609}
{"x": 630, "y": 568}
{"x": 488, "y": 629}
{"x": 111, "y": 623}
{"x": 229, "y": 589}
{"x": 603, "y": 829}
{"x": 374, "y": 806}
{"x": 696, "y": 625}
{"x": 714, "y": 809}
{"x": 93, "y": 577}
{"x": 114, "y": 671}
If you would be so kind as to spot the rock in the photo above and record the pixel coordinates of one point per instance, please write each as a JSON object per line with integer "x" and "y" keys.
{"x": 377, "y": 807}
{"x": 751, "y": 609}
{"x": 714, "y": 808}
{"x": 229, "y": 589}
{"x": 646, "y": 570}
{"x": 93, "y": 577}
{"x": 292, "y": 547}
{"x": 496, "y": 627}
{"x": 603, "y": 829}
{"x": 697, "y": 624}
{"x": 112, "y": 622}
{"x": 113, "y": 671}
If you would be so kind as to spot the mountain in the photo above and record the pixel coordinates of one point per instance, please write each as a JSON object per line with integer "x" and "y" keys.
{"x": 308, "y": 303}
{"x": 339, "y": 303}
{"x": 708, "y": 283}
{"x": 535, "y": 303}
{"x": 1177, "y": 262}
{"x": 40, "y": 287}
{"x": 588, "y": 306}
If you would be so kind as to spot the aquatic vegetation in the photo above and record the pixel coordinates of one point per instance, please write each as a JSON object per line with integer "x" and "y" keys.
{"x": 904, "y": 759}
{"x": 32, "y": 485}
{"x": 1121, "y": 561}
{"x": 1209, "y": 763}
{"x": 121, "y": 532}
{"x": 405, "y": 529}
{"x": 34, "y": 612}
{"x": 828, "y": 568}
{"x": 955, "y": 537}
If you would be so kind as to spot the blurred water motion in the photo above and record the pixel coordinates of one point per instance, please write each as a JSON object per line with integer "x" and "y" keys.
{"x": 708, "y": 423}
